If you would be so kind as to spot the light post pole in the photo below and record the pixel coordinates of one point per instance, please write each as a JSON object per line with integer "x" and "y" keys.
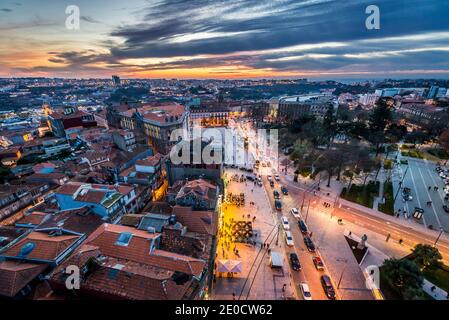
{"x": 439, "y": 236}
{"x": 400, "y": 184}
{"x": 307, "y": 214}
{"x": 342, "y": 272}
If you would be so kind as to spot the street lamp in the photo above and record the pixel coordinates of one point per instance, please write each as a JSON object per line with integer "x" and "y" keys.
{"x": 400, "y": 184}
{"x": 308, "y": 205}
{"x": 342, "y": 272}
{"x": 439, "y": 236}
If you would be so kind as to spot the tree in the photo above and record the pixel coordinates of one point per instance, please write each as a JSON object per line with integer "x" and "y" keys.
{"x": 378, "y": 120}
{"x": 427, "y": 257}
{"x": 404, "y": 276}
{"x": 329, "y": 161}
{"x": 444, "y": 140}
{"x": 329, "y": 125}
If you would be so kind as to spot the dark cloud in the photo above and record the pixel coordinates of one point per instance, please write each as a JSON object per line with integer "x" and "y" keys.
{"x": 6, "y": 10}
{"x": 89, "y": 19}
{"x": 255, "y": 34}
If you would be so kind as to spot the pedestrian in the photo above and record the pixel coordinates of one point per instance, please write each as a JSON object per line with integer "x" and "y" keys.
{"x": 350, "y": 233}
{"x": 388, "y": 237}
{"x": 233, "y": 296}
{"x": 400, "y": 241}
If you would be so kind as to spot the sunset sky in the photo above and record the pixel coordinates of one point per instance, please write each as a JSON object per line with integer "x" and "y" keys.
{"x": 225, "y": 39}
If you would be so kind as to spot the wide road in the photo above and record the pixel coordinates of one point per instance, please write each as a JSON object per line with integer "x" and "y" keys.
{"x": 420, "y": 176}
{"x": 309, "y": 273}
{"x": 410, "y": 236}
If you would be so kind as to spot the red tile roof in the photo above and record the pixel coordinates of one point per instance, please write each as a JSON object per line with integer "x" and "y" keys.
{"x": 34, "y": 218}
{"x": 196, "y": 221}
{"x": 47, "y": 247}
{"x": 138, "y": 250}
{"x": 16, "y": 275}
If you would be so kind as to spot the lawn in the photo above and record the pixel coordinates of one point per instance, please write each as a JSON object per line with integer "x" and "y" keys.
{"x": 439, "y": 153}
{"x": 304, "y": 171}
{"x": 413, "y": 154}
{"x": 363, "y": 195}
{"x": 390, "y": 293}
{"x": 388, "y": 164}
{"x": 439, "y": 277}
{"x": 388, "y": 206}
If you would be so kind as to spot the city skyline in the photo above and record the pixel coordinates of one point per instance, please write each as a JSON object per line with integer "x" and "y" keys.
{"x": 224, "y": 39}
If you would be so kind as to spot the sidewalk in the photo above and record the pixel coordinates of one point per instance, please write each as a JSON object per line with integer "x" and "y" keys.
{"x": 260, "y": 282}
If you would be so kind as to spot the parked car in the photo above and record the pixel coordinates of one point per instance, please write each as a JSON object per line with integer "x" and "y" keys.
{"x": 289, "y": 239}
{"x": 303, "y": 227}
{"x": 269, "y": 178}
{"x": 294, "y": 261}
{"x": 295, "y": 213}
{"x": 276, "y": 177}
{"x": 284, "y": 191}
{"x": 328, "y": 287}
{"x": 309, "y": 244}
{"x": 319, "y": 265}
{"x": 276, "y": 194}
{"x": 285, "y": 223}
{"x": 304, "y": 287}
{"x": 250, "y": 178}
{"x": 446, "y": 208}
{"x": 278, "y": 205}
{"x": 272, "y": 183}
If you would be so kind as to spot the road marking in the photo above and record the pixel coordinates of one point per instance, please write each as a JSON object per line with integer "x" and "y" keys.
{"x": 417, "y": 198}
{"x": 430, "y": 198}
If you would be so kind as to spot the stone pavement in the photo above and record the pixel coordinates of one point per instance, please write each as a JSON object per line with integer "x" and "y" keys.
{"x": 257, "y": 280}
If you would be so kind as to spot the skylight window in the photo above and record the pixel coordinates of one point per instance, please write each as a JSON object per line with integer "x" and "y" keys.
{"x": 124, "y": 238}
{"x": 26, "y": 249}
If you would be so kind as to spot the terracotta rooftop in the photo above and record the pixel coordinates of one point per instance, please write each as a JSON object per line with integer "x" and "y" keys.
{"x": 138, "y": 249}
{"x": 196, "y": 221}
{"x": 14, "y": 276}
{"x": 46, "y": 246}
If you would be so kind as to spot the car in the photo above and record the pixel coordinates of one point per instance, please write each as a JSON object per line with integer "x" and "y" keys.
{"x": 304, "y": 287}
{"x": 294, "y": 261}
{"x": 284, "y": 191}
{"x": 309, "y": 244}
{"x": 442, "y": 174}
{"x": 328, "y": 287}
{"x": 289, "y": 239}
{"x": 302, "y": 226}
{"x": 295, "y": 213}
{"x": 276, "y": 194}
{"x": 278, "y": 205}
{"x": 276, "y": 177}
{"x": 446, "y": 208}
{"x": 319, "y": 265}
{"x": 285, "y": 223}
{"x": 269, "y": 178}
{"x": 250, "y": 178}
{"x": 272, "y": 183}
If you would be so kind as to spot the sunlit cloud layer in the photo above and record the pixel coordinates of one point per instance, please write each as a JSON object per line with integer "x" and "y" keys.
{"x": 225, "y": 39}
